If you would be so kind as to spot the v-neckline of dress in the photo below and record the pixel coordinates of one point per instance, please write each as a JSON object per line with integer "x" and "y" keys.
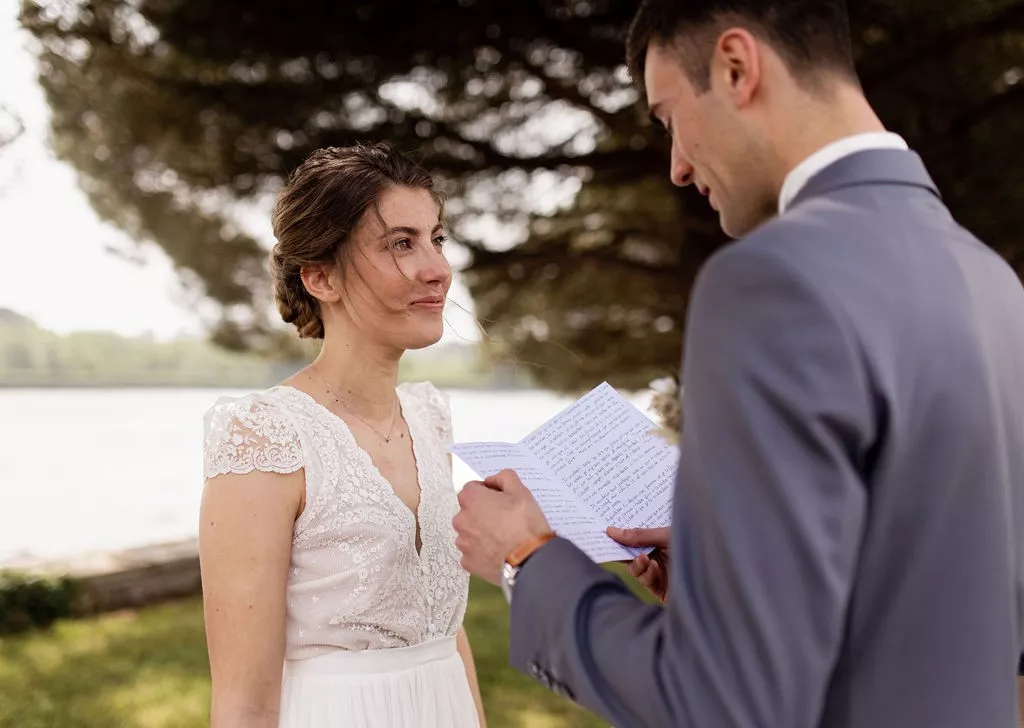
{"x": 419, "y": 532}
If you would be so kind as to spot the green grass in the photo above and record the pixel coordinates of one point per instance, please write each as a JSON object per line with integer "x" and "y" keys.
{"x": 511, "y": 699}
{"x": 148, "y": 669}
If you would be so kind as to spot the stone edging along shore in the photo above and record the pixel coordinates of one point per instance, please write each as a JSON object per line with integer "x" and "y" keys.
{"x": 134, "y": 577}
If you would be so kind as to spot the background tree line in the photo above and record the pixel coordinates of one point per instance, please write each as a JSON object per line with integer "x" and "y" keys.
{"x": 183, "y": 117}
{"x": 33, "y": 356}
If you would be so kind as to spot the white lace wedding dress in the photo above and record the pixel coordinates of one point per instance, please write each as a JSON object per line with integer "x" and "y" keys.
{"x": 371, "y": 621}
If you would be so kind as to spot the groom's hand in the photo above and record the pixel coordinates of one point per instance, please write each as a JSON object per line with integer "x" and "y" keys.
{"x": 496, "y": 516}
{"x": 650, "y": 570}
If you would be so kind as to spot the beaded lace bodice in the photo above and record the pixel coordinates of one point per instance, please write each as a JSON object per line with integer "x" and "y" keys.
{"x": 356, "y": 579}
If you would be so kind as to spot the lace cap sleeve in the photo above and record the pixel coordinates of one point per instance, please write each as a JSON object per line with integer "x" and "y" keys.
{"x": 246, "y": 434}
{"x": 438, "y": 407}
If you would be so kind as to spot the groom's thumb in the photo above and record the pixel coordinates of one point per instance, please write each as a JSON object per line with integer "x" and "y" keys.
{"x": 638, "y": 536}
{"x": 625, "y": 536}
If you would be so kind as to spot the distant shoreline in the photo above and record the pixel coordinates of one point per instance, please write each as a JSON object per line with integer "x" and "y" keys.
{"x": 34, "y": 358}
{"x": 468, "y": 386}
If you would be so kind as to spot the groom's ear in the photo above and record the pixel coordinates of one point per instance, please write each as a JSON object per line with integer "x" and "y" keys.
{"x": 736, "y": 65}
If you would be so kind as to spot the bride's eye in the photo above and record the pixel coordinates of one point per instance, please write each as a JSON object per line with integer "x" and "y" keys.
{"x": 401, "y": 245}
{"x": 440, "y": 240}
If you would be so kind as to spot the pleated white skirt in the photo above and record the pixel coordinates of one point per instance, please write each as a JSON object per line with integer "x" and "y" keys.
{"x": 423, "y": 686}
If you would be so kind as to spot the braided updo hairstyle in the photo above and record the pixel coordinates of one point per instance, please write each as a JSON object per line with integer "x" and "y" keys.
{"x": 316, "y": 212}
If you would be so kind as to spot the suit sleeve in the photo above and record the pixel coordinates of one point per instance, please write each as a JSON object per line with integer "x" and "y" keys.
{"x": 768, "y": 517}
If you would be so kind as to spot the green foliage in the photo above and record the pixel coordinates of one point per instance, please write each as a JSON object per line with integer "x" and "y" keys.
{"x": 28, "y": 601}
{"x": 171, "y": 111}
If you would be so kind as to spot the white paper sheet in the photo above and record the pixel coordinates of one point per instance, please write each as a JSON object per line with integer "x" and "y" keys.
{"x": 593, "y": 465}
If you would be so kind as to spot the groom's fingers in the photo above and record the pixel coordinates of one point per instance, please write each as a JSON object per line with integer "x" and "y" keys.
{"x": 471, "y": 493}
{"x": 638, "y": 566}
{"x": 504, "y": 481}
{"x": 652, "y": 578}
{"x": 491, "y": 484}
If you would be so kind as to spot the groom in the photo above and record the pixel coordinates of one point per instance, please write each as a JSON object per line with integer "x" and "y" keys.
{"x": 848, "y": 530}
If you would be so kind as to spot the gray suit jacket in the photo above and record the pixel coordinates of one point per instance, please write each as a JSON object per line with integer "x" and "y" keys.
{"x": 848, "y": 528}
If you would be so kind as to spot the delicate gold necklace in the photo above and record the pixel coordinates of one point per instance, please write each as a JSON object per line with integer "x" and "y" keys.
{"x": 346, "y": 405}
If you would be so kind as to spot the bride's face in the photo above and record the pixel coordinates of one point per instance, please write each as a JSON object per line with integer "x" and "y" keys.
{"x": 395, "y": 278}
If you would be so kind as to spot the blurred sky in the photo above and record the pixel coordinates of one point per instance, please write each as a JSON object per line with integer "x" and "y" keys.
{"x": 93, "y": 277}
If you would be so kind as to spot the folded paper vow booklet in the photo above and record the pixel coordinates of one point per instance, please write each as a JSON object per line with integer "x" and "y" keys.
{"x": 593, "y": 465}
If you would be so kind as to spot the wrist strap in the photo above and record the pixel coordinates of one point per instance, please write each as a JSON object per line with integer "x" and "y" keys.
{"x": 524, "y": 550}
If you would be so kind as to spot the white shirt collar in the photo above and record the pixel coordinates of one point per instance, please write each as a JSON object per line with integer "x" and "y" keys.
{"x": 831, "y": 153}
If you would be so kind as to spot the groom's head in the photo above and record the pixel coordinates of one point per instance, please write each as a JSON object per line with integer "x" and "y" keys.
{"x": 734, "y": 82}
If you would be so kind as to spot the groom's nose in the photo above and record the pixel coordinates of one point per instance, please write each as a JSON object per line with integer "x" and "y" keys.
{"x": 680, "y": 171}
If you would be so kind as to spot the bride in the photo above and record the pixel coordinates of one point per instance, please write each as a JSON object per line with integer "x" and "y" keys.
{"x": 333, "y": 594}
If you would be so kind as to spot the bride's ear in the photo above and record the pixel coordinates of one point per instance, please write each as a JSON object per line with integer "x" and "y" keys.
{"x": 322, "y": 282}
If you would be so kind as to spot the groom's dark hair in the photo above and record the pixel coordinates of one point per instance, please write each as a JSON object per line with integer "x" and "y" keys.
{"x": 811, "y": 36}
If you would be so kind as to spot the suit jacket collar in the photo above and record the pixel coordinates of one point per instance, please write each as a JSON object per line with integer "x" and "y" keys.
{"x": 872, "y": 166}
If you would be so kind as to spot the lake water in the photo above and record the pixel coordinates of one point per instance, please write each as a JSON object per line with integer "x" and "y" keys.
{"x": 97, "y": 469}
